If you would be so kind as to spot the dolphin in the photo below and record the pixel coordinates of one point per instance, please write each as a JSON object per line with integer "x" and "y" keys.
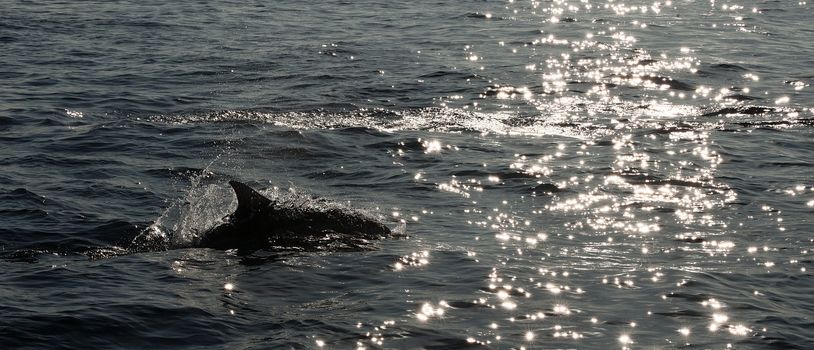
{"x": 262, "y": 223}
{"x": 258, "y": 223}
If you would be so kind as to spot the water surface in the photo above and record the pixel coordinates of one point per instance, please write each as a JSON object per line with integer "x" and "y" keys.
{"x": 571, "y": 174}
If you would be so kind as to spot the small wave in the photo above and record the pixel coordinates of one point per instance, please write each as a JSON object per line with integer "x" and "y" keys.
{"x": 546, "y": 188}
{"x": 728, "y": 67}
{"x": 23, "y": 213}
{"x": 182, "y": 172}
{"x": 740, "y": 97}
{"x": 101, "y": 240}
{"x": 741, "y": 110}
{"x": 434, "y": 119}
{"x": 478, "y": 15}
{"x": 683, "y": 313}
{"x": 7, "y": 123}
{"x": 24, "y": 195}
{"x": 453, "y": 74}
{"x": 504, "y": 92}
{"x": 660, "y": 81}
{"x": 635, "y": 178}
{"x": 115, "y": 325}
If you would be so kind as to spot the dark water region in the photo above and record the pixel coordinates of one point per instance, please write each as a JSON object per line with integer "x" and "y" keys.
{"x": 570, "y": 174}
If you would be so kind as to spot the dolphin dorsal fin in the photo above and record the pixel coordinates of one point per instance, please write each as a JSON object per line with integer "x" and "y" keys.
{"x": 248, "y": 200}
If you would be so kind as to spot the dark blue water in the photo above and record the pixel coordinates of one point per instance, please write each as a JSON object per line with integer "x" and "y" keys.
{"x": 571, "y": 174}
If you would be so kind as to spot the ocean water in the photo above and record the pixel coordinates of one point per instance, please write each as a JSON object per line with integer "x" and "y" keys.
{"x": 581, "y": 174}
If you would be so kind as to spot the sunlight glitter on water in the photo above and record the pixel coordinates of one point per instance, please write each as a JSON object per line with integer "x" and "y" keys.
{"x": 575, "y": 179}
{"x": 428, "y": 311}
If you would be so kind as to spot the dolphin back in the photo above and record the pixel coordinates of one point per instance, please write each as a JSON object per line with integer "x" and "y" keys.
{"x": 261, "y": 223}
{"x": 249, "y": 201}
